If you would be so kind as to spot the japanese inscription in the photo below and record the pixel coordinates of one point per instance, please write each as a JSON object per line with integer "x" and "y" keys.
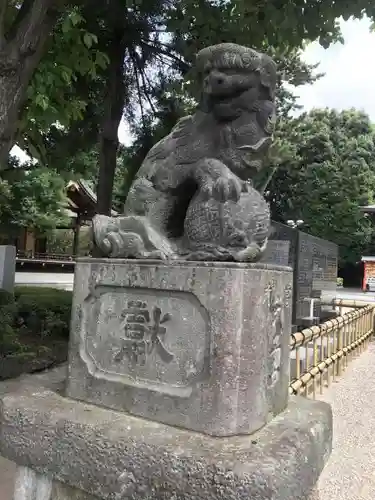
{"x": 145, "y": 338}
{"x": 275, "y": 341}
{"x": 288, "y": 295}
{"x": 277, "y": 306}
{"x": 144, "y": 333}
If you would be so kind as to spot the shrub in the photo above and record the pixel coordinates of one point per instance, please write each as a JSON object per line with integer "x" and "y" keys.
{"x": 6, "y": 298}
{"x": 340, "y": 282}
{"x": 7, "y": 314}
{"x": 44, "y": 311}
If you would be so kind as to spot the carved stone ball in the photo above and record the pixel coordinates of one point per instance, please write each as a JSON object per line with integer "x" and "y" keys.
{"x": 230, "y": 225}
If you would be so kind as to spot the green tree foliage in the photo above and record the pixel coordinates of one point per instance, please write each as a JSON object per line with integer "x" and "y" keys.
{"x": 96, "y": 60}
{"x": 327, "y": 175}
{"x": 60, "y": 241}
{"x": 159, "y": 41}
{"x": 24, "y": 29}
{"x": 283, "y": 24}
{"x": 52, "y": 103}
{"x": 31, "y": 198}
{"x": 44, "y": 48}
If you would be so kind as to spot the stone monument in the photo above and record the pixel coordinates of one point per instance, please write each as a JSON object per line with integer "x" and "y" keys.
{"x": 7, "y": 267}
{"x": 192, "y": 198}
{"x": 178, "y": 375}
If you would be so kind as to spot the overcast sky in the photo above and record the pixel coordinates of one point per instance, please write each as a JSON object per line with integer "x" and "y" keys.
{"x": 349, "y": 79}
{"x": 349, "y": 69}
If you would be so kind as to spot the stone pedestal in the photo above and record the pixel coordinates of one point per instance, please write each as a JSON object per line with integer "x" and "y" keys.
{"x": 7, "y": 267}
{"x": 197, "y": 345}
{"x": 177, "y": 389}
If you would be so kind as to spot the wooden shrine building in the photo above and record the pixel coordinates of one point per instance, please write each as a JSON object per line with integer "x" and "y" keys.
{"x": 80, "y": 209}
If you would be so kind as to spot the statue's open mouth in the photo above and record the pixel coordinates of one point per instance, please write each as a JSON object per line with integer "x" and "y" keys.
{"x": 224, "y": 100}
{"x": 226, "y": 96}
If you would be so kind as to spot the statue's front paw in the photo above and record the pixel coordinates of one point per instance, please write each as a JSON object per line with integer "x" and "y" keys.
{"x": 223, "y": 189}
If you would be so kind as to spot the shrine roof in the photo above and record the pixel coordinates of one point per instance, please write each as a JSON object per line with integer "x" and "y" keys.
{"x": 82, "y": 199}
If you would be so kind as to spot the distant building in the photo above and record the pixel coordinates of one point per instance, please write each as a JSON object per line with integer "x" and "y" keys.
{"x": 368, "y": 280}
{"x": 81, "y": 208}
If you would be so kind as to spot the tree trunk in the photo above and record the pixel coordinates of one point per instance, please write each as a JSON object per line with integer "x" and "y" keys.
{"x": 21, "y": 48}
{"x": 114, "y": 106}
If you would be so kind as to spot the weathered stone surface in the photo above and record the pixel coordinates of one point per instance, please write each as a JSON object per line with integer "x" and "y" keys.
{"x": 277, "y": 252}
{"x": 62, "y": 491}
{"x": 314, "y": 495}
{"x": 192, "y": 197}
{"x": 198, "y": 345}
{"x": 7, "y": 267}
{"x": 31, "y": 485}
{"x": 116, "y": 456}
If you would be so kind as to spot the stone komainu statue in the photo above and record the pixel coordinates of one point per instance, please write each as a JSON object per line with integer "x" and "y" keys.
{"x": 192, "y": 197}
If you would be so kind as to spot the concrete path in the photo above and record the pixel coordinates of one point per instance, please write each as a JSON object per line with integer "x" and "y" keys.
{"x": 65, "y": 280}
{"x": 56, "y": 280}
{"x": 350, "y": 472}
{"x": 350, "y": 294}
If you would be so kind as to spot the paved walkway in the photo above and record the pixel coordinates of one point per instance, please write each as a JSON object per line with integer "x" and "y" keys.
{"x": 56, "y": 280}
{"x": 350, "y": 472}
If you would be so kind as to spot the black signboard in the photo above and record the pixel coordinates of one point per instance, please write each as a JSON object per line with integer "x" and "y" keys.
{"x": 314, "y": 262}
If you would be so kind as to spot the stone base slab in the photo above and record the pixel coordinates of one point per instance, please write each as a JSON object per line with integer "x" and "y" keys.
{"x": 114, "y": 456}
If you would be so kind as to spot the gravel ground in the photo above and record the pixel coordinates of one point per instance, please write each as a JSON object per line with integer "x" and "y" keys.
{"x": 350, "y": 472}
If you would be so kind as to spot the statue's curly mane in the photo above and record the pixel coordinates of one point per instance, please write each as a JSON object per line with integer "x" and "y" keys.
{"x": 187, "y": 142}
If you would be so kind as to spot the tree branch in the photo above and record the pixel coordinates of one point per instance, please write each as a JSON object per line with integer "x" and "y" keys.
{"x": 21, "y": 56}
{"x": 144, "y": 83}
{"x": 138, "y": 91}
{"x": 159, "y": 50}
{"x": 33, "y": 15}
{"x": 21, "y": 14}
{"x": 113, "y": 111}
{"x": 144, "y": 77}
{"x": 163, "y": 62}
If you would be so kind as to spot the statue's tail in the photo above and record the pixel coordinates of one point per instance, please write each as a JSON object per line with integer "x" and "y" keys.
{"x": 101, "y": 226}
{"x": 130, "y": 236}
